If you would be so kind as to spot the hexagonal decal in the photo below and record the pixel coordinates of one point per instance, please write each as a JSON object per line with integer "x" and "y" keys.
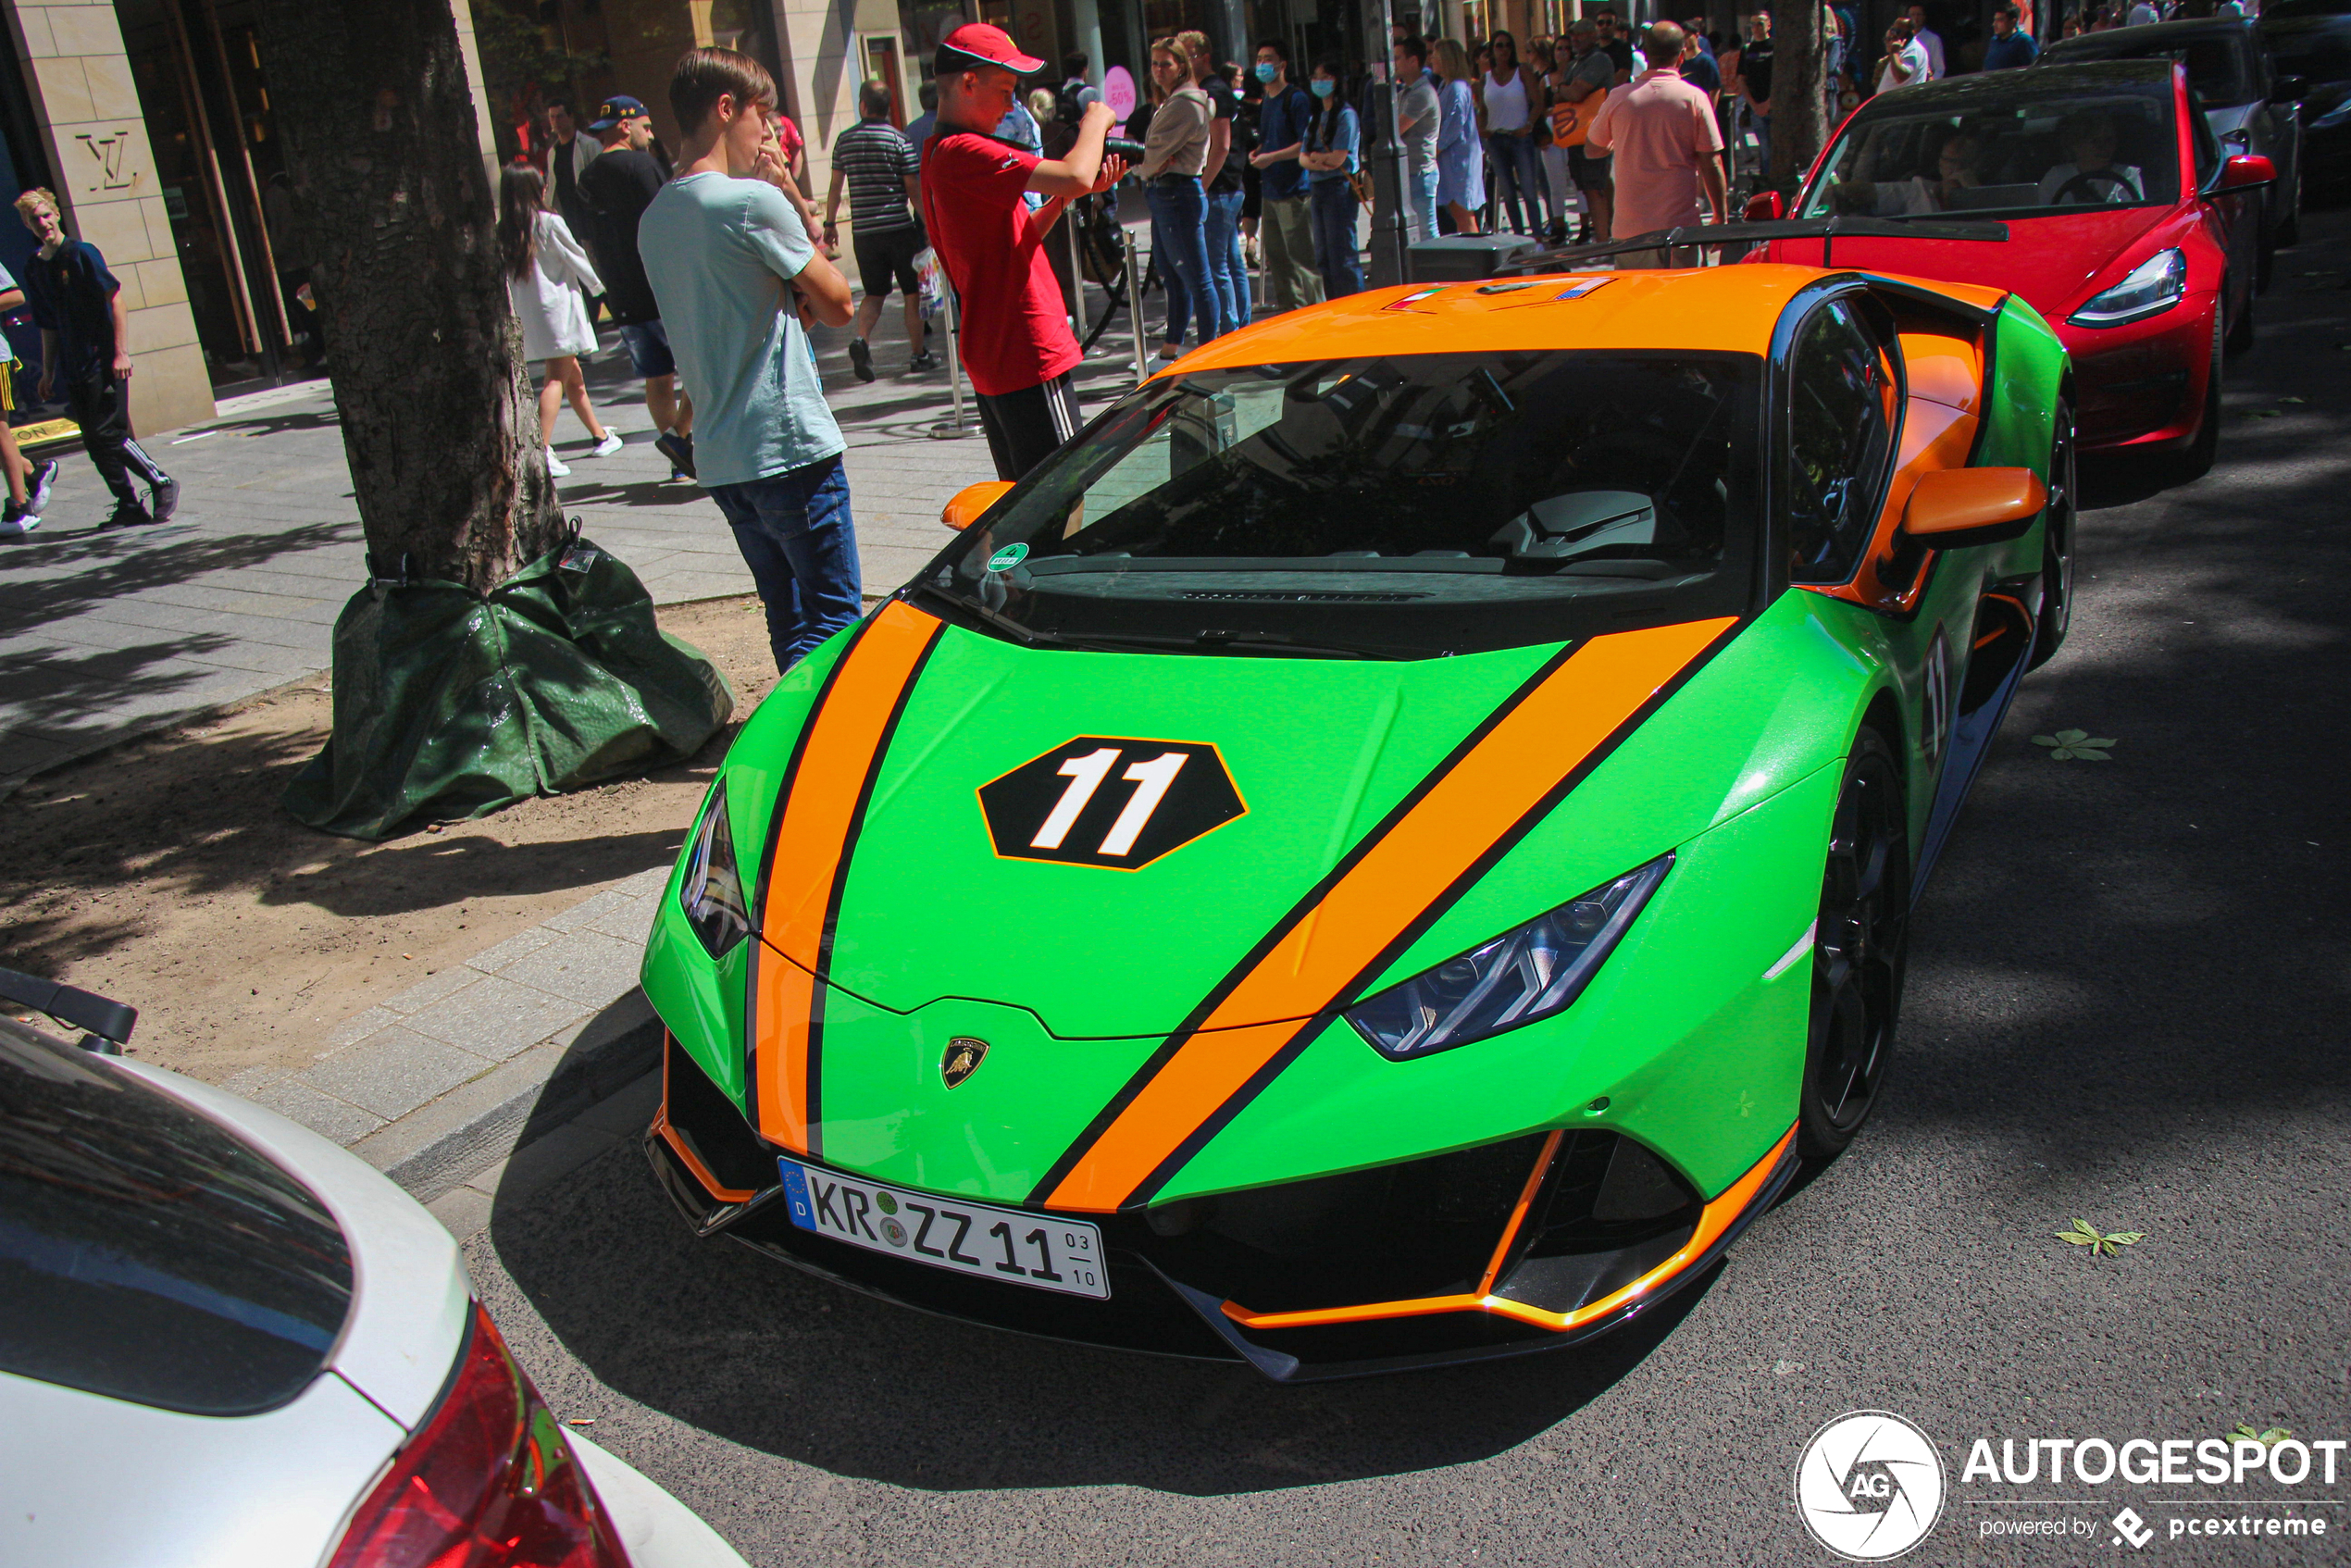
{"x": 1108, "y": 802}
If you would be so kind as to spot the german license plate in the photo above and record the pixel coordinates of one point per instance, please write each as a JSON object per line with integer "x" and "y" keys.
{"x": 1043, "y": 1252}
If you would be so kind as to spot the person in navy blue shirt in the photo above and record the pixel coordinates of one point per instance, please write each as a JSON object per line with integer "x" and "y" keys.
{"x": 1285, "y": 226}
{"x": 2011, "y": 49}
{"x": 84, "y": 344}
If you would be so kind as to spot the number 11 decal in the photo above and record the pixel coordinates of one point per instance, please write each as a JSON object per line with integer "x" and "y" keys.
{"x": 1064, "y": 805}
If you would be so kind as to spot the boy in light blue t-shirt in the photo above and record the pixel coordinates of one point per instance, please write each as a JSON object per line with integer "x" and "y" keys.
{"x": 728, "y": 247}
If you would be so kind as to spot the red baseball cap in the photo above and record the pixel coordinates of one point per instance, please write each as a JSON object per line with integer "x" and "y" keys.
{"x": 988, "y": 46}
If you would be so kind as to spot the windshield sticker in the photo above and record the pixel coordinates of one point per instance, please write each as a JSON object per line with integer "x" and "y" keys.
{"x": 1008, "y": 557}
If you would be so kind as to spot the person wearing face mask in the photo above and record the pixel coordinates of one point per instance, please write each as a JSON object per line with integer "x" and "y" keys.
{"x": 1016, "y": 342}
{"x": 1285, "y": 224}
{"x": 1332, "y": 153}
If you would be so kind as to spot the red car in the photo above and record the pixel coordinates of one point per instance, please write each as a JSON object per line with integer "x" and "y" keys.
{"x": 2127, "y": 227}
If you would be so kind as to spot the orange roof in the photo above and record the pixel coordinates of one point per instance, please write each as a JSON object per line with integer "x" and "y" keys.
{"x": 1714, "y": 307}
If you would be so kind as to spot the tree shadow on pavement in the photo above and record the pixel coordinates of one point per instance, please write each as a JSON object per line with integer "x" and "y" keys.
{"x": 756, "y": 1352}
{"x": 2118, "y": 960}
{"x": 79, "y": 573}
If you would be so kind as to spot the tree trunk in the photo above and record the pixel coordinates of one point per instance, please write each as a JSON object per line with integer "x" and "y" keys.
{"x": 1800, "y": 102}
{"x": 440, "y": 425}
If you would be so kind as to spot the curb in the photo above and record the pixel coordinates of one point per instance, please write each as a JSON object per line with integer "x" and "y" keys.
{"x": 437, "y": 1147}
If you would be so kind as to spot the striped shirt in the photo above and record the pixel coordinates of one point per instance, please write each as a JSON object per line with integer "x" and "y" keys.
{"x": 877, "y": 160}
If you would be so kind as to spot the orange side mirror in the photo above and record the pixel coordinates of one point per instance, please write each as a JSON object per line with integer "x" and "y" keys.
{"x": 968, "y": 503}
{"x": 1955, "y": 508}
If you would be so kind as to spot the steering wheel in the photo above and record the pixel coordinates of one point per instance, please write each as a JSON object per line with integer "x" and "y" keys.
{"x": 2089, "y": 180}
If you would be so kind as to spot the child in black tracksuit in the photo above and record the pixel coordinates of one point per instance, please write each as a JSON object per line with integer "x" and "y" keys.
{"x": 77, "y": 305}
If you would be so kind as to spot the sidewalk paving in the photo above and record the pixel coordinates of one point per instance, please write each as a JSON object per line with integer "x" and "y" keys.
{"x": 106, "y": 635}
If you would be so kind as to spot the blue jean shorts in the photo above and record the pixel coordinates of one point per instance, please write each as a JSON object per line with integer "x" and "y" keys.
{"x": 649, "y": 349}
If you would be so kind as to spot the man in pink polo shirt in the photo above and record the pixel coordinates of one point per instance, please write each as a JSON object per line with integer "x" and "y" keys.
{"x": 1661, "y": 131}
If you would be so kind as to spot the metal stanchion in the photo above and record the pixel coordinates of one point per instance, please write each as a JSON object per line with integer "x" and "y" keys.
{"x": 1135, "y": 308}
{"x": 954, "y": 377}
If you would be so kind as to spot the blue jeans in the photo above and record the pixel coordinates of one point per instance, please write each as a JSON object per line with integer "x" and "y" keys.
{"x": 794, "y": 531}
{"x": 1223, "y": 231}
{"x": 1420, "y": 202}
{"x": 1179, "y": 216}
{"x": 1518, "y": 175}
{"x": 1335, "y": 207}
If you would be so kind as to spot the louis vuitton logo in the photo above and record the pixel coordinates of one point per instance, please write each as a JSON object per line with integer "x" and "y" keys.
{"x": 109, "y": 153}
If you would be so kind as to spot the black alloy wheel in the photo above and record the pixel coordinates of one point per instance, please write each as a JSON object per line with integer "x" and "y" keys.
{"x": 2057, "y": 549}
{"x": 1859, "y": 952}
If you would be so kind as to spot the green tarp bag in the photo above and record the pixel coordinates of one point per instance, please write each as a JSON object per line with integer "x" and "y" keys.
{"x": 450, "y": 704}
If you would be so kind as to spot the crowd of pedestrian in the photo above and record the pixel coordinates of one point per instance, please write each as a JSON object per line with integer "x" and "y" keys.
{"x": 713, "y": 269}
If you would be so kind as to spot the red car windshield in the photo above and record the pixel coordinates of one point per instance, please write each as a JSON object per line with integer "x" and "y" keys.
{"x": 2010, "y": 148}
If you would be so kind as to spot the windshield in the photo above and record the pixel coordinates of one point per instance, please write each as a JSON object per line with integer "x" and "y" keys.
{"x": 2315, "y": 51}
{"x": 1400, "y": 507}
{"x": 2220, "y": 66}
{"x": 2005, "y": 151}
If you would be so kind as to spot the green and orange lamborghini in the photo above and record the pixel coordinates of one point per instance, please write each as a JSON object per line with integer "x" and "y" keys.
{"x": 1389, "y": 847}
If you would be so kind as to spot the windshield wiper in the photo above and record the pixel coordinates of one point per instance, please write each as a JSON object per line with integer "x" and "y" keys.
{"x": 1217, "y": 642}
{"x": 1027, "y": 636}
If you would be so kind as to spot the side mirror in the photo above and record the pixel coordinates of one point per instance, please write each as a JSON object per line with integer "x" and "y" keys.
{"x": 1768, "y": 207}
{"x": 963, "y": 510}
{"x": 1955, "y": 508}
{"x": 2289, "y": 88}
{"x": 2245, "y": 171}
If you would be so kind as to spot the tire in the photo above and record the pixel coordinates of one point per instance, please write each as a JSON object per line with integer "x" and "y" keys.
{"x": 2195, "y": 459}
{"x": 1860, "y": 947}
{"x": 2240, "y": 339}
{"x": 2057, "y": 550}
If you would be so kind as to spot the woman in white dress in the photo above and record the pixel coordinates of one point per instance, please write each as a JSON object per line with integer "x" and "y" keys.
{"x": 550, "y": 279}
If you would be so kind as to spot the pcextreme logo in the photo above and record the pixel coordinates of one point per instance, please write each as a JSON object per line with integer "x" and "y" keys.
{"x": 1869, "y": 1485}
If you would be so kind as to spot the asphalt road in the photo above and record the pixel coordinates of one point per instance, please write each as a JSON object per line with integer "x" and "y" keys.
{"x": 2127, "y": 1002}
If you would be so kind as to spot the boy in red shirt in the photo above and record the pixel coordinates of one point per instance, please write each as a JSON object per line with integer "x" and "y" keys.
{"x": 1016, "y": 342}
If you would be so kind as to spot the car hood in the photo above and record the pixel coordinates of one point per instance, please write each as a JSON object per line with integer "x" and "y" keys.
{"x": 2051, "y": 261}
{"x": 944, "y": 894}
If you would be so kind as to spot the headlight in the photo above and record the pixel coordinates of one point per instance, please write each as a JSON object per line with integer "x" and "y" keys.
{"x": 1516, "y": 978}
{"x": 2154, "y": 286}
{"x": 712, "y": 894}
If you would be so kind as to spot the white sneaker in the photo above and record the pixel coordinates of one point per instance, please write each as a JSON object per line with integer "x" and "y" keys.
{"x": 15, "y": 524}
{"x": 555, "y": 465}
{"x": 606, "y": 447}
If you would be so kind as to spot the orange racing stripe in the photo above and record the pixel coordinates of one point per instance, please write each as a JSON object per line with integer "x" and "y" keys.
{"x": 831, "y": 778}
{"x": 1513, "y": 771}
